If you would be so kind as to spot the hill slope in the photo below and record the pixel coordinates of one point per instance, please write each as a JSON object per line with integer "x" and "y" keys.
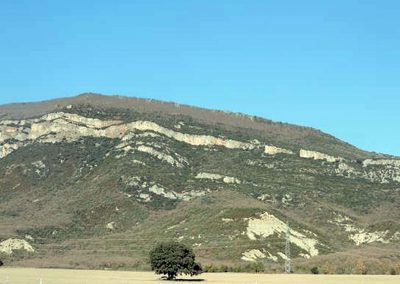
{"x": 95, "y": 181}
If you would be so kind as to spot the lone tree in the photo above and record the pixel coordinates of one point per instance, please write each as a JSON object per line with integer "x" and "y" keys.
{"x": 315, "y": 270}
{"x": 172, "y": 259}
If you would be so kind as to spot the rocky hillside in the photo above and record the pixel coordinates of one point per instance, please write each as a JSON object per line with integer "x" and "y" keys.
{"x": 95, "y": 181}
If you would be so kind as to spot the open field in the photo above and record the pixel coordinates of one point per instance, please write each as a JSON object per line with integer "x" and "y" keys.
{"x": 63, "y": 276}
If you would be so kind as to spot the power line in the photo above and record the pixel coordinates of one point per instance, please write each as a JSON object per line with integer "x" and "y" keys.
{"x": 288, "y": 262}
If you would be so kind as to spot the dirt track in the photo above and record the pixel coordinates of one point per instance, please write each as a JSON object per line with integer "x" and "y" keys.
{"x": 62, "y": 276}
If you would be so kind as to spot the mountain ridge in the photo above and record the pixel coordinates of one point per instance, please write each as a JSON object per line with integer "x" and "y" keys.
{"x": 230, "y": 119}
{"x": 95, "y": 182}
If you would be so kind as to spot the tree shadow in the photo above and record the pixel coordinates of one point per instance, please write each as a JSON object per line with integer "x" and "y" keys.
{"x": 189, "y": 280}
{"x": 182, "y": 280}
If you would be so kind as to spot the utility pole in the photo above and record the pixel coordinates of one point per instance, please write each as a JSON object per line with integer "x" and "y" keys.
{"x": 288, "y": 262}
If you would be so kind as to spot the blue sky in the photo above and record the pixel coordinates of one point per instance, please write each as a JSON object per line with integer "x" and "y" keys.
{"x": 332, "y": 65}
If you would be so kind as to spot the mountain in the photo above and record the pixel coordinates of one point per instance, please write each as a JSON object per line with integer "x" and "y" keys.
{"x": 96, "y": 181}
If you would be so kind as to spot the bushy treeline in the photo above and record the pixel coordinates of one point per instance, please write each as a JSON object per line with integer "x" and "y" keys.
{"x": 359, "y": 267}
{"x": 256, "y": 267}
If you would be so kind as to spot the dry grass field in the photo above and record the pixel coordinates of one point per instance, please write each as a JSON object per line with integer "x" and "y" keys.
{"x": 63, "y": 276}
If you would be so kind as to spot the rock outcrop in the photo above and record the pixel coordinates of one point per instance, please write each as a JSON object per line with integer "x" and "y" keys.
{"x": 267, "y": 225}
{"x": 272, "y": 150}
{"x": 56, "y": 127}
{"x": 318, "y": 156}
{"x": 216, "y": 177}
{"x": 10, "y": 245}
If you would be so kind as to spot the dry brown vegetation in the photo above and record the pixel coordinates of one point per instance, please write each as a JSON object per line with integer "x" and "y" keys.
{"x": 61, "y": 276}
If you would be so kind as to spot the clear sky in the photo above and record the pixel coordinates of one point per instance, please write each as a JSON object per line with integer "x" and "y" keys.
{"x": 332, "y": 65}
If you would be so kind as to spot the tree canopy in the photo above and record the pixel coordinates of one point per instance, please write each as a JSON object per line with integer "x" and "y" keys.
{"x": 172, "y": 259}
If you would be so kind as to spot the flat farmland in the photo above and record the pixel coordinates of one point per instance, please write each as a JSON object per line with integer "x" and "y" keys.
{"x": 64, "y": 276}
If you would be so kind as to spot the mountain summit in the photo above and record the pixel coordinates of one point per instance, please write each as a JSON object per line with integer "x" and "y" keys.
{"x": 96, "y": 181}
